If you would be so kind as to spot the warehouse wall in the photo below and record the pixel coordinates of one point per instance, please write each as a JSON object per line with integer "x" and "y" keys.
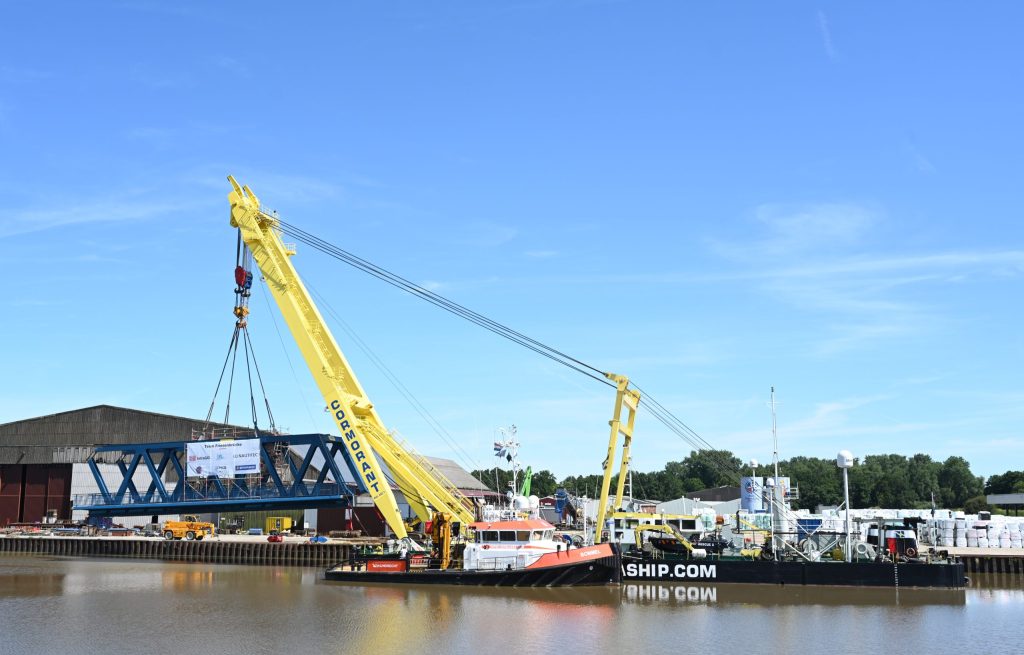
{"x": 28, "y": 491}
{"x": 83, "y": 482}
{"x": 11, "y": 491}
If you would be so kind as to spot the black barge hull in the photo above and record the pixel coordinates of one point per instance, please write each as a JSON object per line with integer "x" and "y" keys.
{"x": 603, "y": 571}
{"x": 945, "y": 575}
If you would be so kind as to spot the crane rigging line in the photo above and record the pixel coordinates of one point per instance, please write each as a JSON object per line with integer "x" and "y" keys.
{"x": 696, "y": 441}
{"x": 224, "y": 368}
{"x": 240, "y": 337}
{"x": 652, "y": 406}
{"x": 683, "y": 430}
{"x": 252, "y": 399}
{"x": 280, "y": 338}
{"x": 231, "y": 379}
{"x": 259, "y": 377}
{"x": 420, "y": 409}
{"x": 442, "y": 302}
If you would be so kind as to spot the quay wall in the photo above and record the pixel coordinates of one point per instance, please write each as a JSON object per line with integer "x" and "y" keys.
{"x": 980, "y": 564}
{"x": 988, "y": 560}
{"x": 212, "y": 551}
{"x": 307, "y": 554}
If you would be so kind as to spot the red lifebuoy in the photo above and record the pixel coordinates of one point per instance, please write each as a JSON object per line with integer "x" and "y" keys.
{"x": 486, "y": 546}
{"x": 911, "y": 552}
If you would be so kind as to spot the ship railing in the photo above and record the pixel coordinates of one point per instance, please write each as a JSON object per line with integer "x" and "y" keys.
{"x": 496, "y": 564}
{"x": 494, "y": 514}
{"x": 207, "y": 491}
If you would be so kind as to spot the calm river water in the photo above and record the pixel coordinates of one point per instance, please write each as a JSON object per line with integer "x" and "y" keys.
{"x": 50, "y": 605}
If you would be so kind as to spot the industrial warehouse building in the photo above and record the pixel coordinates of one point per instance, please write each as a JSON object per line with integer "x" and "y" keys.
{"x": 43, "y": 464}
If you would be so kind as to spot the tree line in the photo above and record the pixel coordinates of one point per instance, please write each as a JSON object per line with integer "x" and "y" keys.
{"x": 890, "y": 481}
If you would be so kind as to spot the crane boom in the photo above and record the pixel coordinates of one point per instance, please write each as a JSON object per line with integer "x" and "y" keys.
{"x": 629, "y": 399}
{"x": 366, "y": 437}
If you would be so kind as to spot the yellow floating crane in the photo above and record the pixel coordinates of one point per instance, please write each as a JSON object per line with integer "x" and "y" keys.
{"x": 366, "y": 439}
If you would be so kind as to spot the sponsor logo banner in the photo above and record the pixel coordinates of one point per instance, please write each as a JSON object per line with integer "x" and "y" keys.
{"x": 222, "y": 459}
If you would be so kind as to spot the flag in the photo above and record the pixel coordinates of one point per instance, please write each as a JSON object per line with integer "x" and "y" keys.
{"x": 527, "y": 478}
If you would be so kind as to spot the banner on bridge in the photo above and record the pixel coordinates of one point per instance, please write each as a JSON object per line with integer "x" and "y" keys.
{"x": 223, "y": 459}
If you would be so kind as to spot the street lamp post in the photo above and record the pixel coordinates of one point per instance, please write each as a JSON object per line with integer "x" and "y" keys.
{"x": 753, "y": 464}
{"x": 755, "y": 492}
{"x": 844, "y": 460}
{"x": 776, "y": 500}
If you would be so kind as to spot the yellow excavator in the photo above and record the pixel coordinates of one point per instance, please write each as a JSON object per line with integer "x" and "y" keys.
{"x": 696, "y": 553}
{"x": 441, "y": 534}
{"x": 754, "y": 552}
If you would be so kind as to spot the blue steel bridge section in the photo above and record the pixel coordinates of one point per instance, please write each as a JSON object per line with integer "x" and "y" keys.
{"x": 257, "y": 492}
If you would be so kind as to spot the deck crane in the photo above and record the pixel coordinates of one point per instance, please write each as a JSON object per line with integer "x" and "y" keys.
{"x": 628, "y": 399}
{"x": 366, "y": 439}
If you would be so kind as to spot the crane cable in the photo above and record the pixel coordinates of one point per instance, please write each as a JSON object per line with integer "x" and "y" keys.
{"x": 652, "y": 406}
{"x": 442, "y": 302}
{"x": 419, "y": 408}
{"x": 687, "y": 434}
{"x": 240, "y": 335}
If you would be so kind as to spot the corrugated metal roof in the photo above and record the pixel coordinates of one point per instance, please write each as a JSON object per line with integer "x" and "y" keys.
{"x": 69, "y": 436}
{"x": 1005, "y": 499}
{"x": 716, "y": 494}
{"x": 459, "y": 476}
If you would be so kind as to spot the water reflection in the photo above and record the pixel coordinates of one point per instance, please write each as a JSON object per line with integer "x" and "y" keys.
{"x": 996, "y": 581}
{"x": 778, "y": 595}
{"x": 450, "y": 615}
{"x": 997, "y": 589}
{"x": 600, "y": 595}
{"x": 20, "y": 585}
{"x": 183, "y": 580}
{"x": 283, "y": 609}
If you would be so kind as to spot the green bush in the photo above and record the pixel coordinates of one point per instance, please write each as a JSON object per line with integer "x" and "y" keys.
{"x": 976, "y": 504}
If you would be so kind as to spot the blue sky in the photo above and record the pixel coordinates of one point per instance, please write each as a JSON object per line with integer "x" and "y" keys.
{"x": 710, "y": 199}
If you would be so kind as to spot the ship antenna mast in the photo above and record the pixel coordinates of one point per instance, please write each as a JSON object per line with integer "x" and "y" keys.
{"x": 775, "y": 440}
{"x": 776, "y": 501}
{"x": 509, "y": 449}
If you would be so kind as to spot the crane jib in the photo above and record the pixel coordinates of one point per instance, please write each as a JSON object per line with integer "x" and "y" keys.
{"x": 356, "y": 448}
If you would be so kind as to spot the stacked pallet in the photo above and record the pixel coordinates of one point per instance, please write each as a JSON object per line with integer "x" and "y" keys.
{"x": 974, "y": 532}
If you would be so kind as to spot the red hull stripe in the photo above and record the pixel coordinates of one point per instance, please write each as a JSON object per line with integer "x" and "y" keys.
{"x": 572, "y": 556}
